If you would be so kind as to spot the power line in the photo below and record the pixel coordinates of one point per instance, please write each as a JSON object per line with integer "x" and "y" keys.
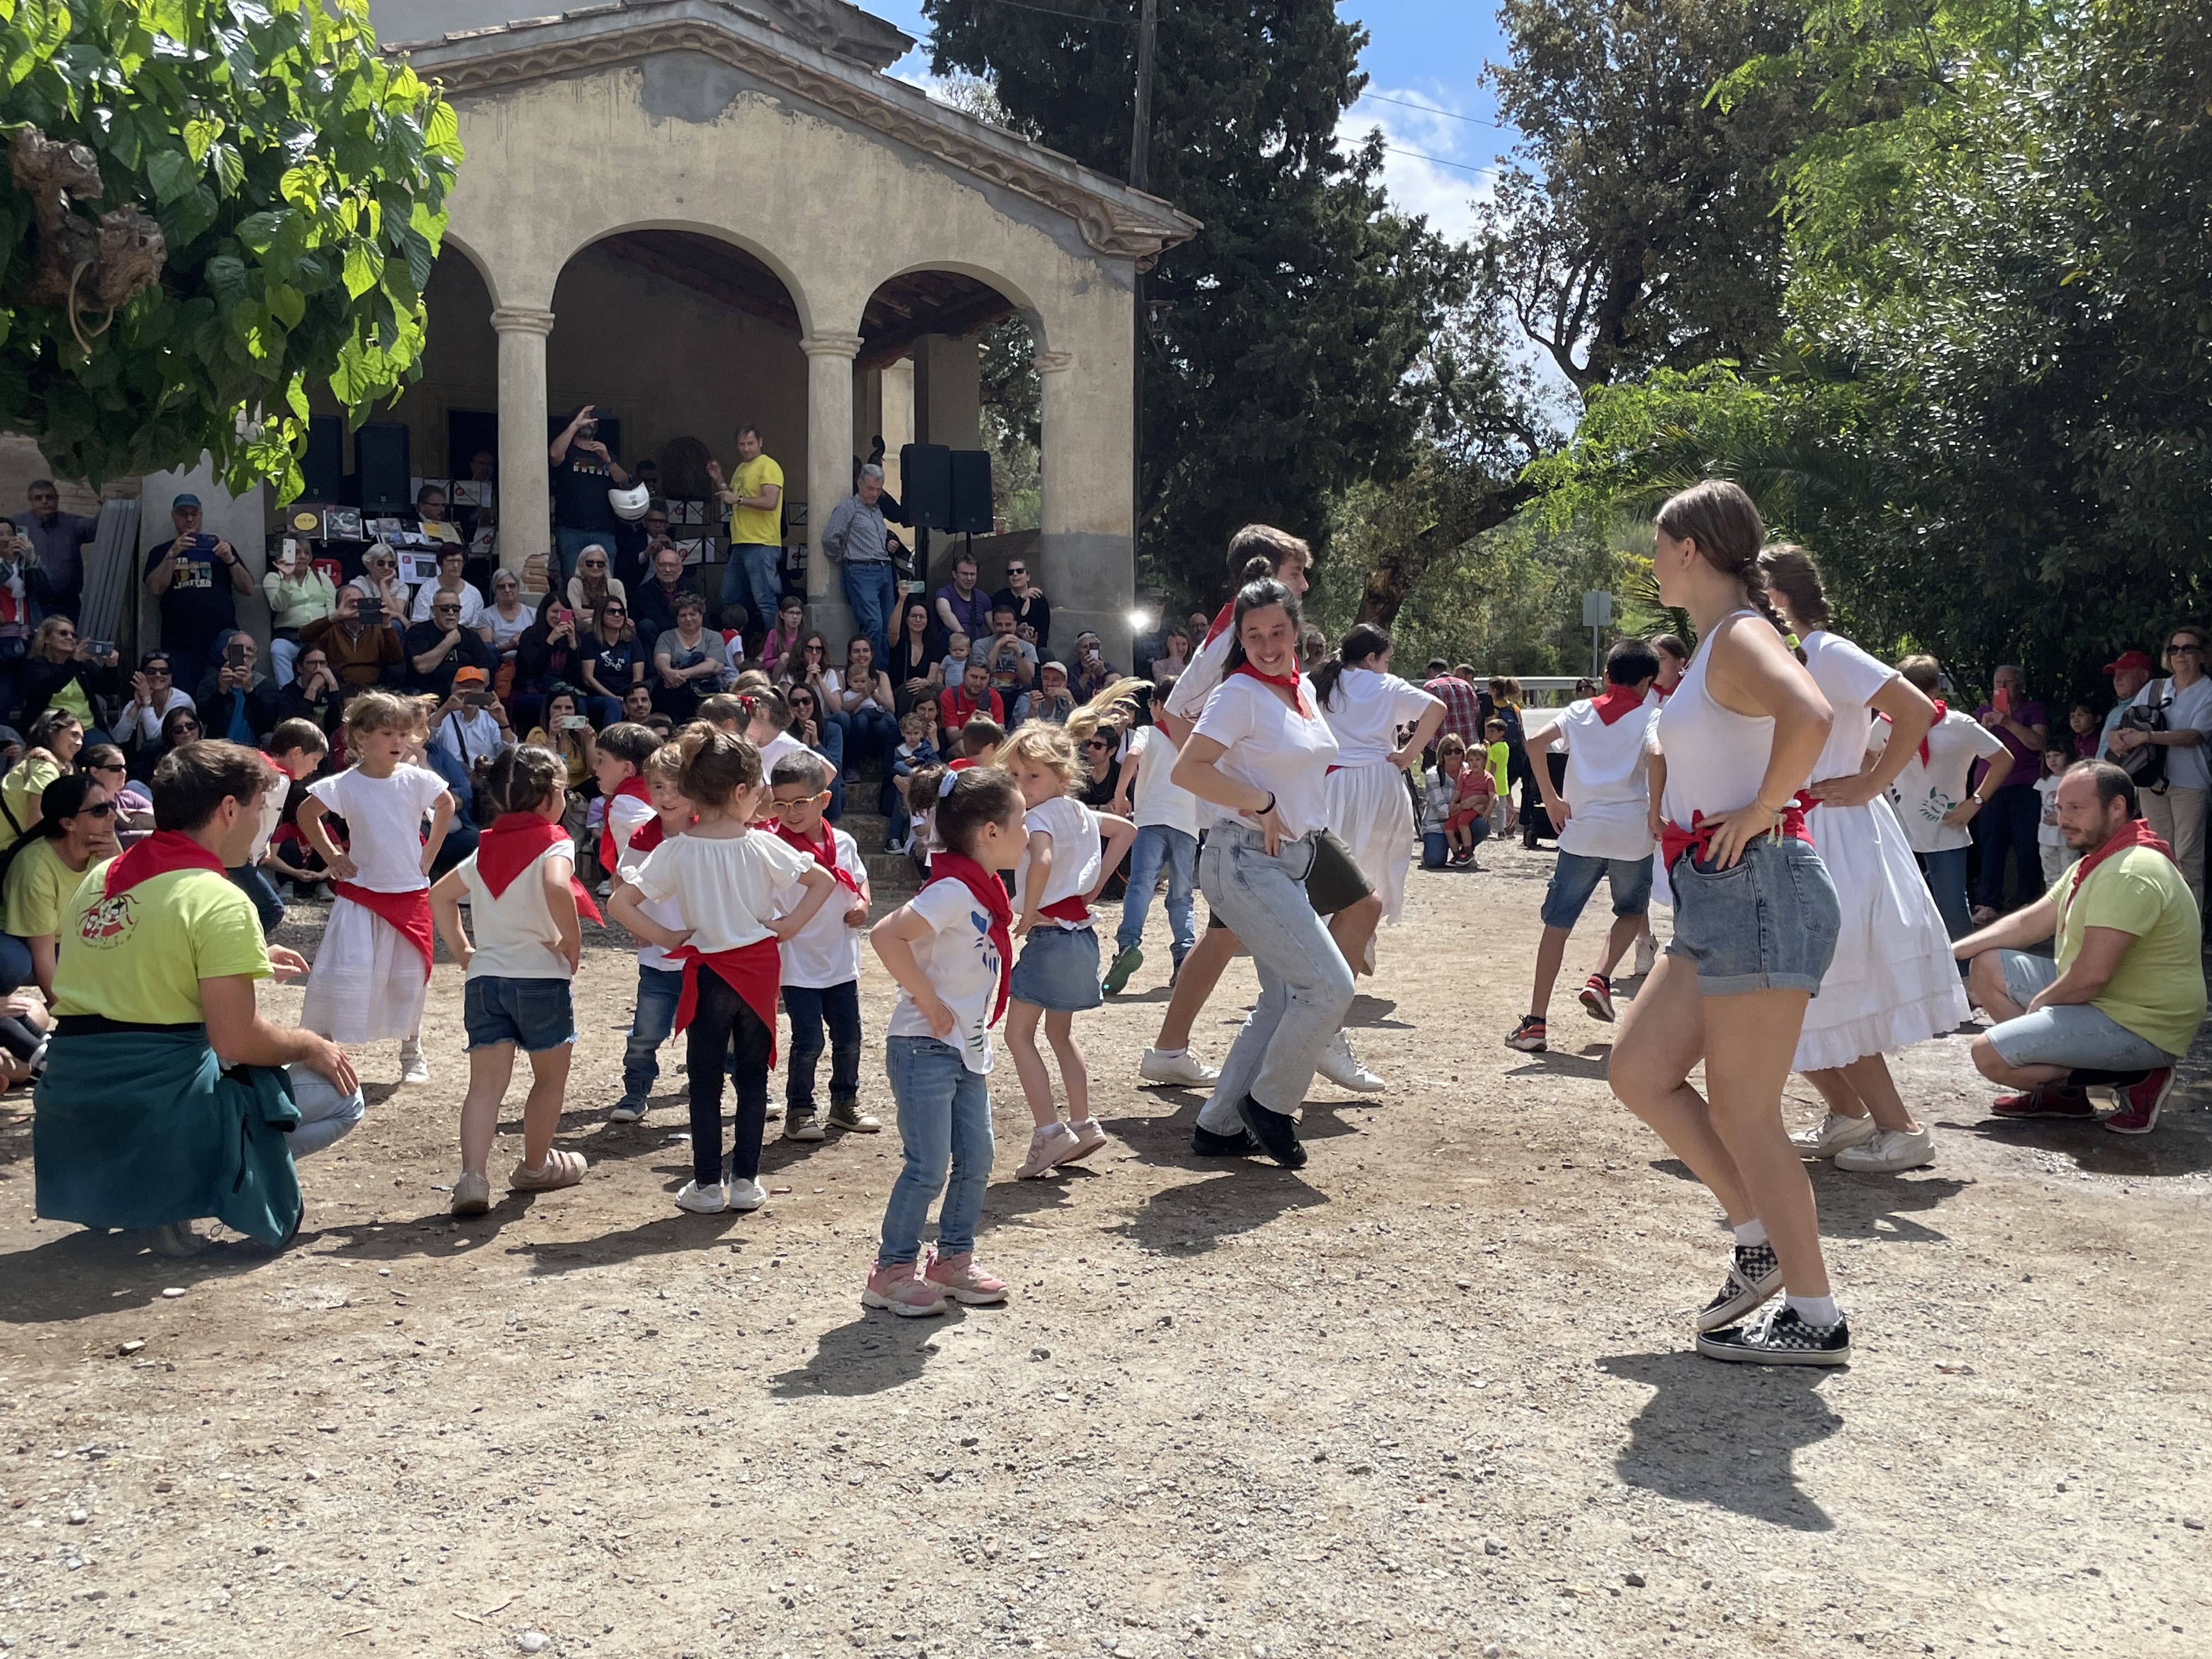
{"x": 1438, "y": 161}
{"x": 1073, "y": 17}
{"x": 1406, "y": 103}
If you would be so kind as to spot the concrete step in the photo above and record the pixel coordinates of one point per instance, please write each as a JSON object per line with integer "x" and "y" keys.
{"x": 890, "y": 872}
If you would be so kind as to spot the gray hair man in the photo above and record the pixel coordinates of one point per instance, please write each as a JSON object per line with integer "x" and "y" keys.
{"x": 855, "y": 539}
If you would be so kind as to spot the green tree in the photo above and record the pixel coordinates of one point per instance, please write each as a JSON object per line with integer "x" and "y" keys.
{"x": 1278, "y": 343}
{"x": 298, "y": 181}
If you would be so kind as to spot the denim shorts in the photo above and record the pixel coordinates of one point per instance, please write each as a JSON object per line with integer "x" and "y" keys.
{"x": 1575, "y": 878}
{"x": 1768, "y": 923}
{"x": 1058, "y": 968}
{"x": 534, "y": 1014}
{"x": 2080, "y": 1035}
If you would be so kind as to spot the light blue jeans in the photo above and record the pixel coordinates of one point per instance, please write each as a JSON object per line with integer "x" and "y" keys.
{"x": 325, "y": 1115}
{"x": 1157, "y": 844}
{"x": 871, "y": 588}
{"x": 944, "y": 1121}
{"x": 1305, "y": 988}
{"x": 754, "y": 577}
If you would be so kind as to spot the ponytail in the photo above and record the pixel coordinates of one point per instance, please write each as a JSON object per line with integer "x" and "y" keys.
{"x": 1362, "y": 644}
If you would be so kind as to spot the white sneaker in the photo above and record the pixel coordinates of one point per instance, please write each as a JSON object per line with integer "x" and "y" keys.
{"x": 1183, "y": 1066}
{"x": 413, "y": 1068}
{"x": 1647, "y": 953}
{"x": 1342, "y": 1067}
{"x": 702, "y": 1201}
{"x": 1835, "y": 1132}
{"x": 1889, "y": 1153}
{"x": 745, "y": 1194}
{"x": 1053, "y": 1143}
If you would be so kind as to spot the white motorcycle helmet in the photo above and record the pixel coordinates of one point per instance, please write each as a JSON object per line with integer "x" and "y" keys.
{"x": 630, "y": 504}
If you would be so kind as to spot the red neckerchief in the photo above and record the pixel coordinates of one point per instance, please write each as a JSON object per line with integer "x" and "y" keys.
{"x": 1219, "y": 625}
{"x": 1293, "y": 682}
{"x": 1617, "y": 700}
{"x": 512, "y": 842}
{"x": 648, "y": 837}
{"x": 2135, "y": 833}
{"x": 633, "y": 788}
{"x": 408, "y": 915}
{"x": 1940, "y": 712}
{"x": 754, "y": 971}
{"x": 1664, "y": 691}
{"x": 161, "y": 854}
{"x": 825, "y": 855}
{"x": 990, "y": 893}
{"x": 962, "y": 763}
{"x": 1697, "y": 840}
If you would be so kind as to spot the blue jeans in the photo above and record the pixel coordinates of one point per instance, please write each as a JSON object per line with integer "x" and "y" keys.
{"x": 945, "y": 1124}
{"x": 2007, "y": 825}
{"x": 753, "y": 577}
{"x": 870, "y": 728}
{"x": 1435, "y": 844}
{"x": 872, "y": 591}
{"x": 1157, "y": 844}
{"x": 1305, "y": 988}
{"x": 811, "y": 1007}
{"x": 325, "y": 1115}
{"x": 2080, "y": 1035}
{"x": 1946, "y": 884}
{"x": 249, "y": 880}
{"x": 16, "y": 965}
{"x": 658, "y": 991}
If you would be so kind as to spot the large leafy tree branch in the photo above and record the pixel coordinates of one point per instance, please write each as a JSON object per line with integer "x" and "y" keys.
{"x": 298, "y": 180}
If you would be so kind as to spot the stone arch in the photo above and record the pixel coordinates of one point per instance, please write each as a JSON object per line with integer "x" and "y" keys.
{"x": 482, "y": 266}
{"x": 782, "y": 267}
{"x": 1017, "y": 294}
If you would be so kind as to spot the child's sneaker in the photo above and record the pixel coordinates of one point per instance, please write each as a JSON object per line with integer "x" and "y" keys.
{"x": 702, "y": 1201}
{"x": 959, "y": 1278}
{"x": 897, "y": 1288}
{"x": 1089, "y": 1138}
{"x": 626, "y": 1111}
{"x": 413, "y": 1068}
{"x": 745, "y": 1194}
{"x": 1596, "y": 998}
{"x": 1528, "y": 1036}
{"x": 471, "y": 1194}
{"x": 1053, "y": 1144}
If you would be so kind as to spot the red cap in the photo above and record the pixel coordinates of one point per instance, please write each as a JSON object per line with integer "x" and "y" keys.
{"x": 2131, "y": 659}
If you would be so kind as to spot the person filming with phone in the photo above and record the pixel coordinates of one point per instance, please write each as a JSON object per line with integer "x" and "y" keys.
{"x": 197, "y": 577}
{"x": 357, "y": 642}
{"x": 235, "y": 701}
{"x": 584, "y": 470}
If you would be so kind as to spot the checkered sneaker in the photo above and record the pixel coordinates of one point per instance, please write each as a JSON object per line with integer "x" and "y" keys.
{"x": 1779, "y": 1337}
{"x": 1754, "y": 1273}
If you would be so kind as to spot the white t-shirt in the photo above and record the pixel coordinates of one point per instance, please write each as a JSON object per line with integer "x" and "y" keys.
{"x": 1157, "y": 799}
{"x": 725, "y": 890}
{"x": 2046, "y": 824}
{"x": 827, "y": 950}
{"x": 1922, "y": 794}
{"x": 469, "y": 735}
{"x": 2190, "y": 709}
{"x": 384, "y": 822}
{"x": 962, "y": 966}
{"x": 1269, "y": 745}
{"x": 504, "y": 632}
{"x": 1077, "y": 852}
{"x": 146, "y": 723}
{"x": 1608, "y": 783}
{"x": 624, "y": 816}
{"x": 776, "y": 748}
{"x": 472, "y": 604}
{"x": 666, "y": 912}
{"x": 515, "y": 933}
{"x": 272, "y": 814}
{"x": 1849, "y": 679}
{"x": 1367, "y": 709}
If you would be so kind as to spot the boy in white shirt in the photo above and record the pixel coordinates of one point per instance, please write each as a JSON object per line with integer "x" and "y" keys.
{"x": 1604, "y": 823}
{"x": 1167, "y": 832}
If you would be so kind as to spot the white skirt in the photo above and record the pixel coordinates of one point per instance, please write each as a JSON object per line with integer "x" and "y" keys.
{"x": 1892, "y": 982}
{"x": 367, "y": 982}
{"x": 1373, "y": 816}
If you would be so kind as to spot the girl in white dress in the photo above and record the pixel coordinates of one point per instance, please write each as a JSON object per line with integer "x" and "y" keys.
{"x": 1892, "y": 982}
{"x": 1365, "y": 704}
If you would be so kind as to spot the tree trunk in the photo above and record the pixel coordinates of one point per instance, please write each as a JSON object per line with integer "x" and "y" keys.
{"x": 1397, "y": 573}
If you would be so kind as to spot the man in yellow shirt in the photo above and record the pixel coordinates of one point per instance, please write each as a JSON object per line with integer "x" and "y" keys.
{"x": 754, "y": 494}
{"x": 2121, "y": 1000}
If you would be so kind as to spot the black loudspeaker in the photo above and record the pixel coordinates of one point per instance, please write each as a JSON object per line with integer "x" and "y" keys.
{"x": 380, "y": 459}
{"x": 925, "y": 485}
{"x": 971, "y": 492}
{"x": 324, "y": 465}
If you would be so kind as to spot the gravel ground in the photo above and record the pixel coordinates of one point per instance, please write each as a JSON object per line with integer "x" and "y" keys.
{"x": 1432, "y": 1395}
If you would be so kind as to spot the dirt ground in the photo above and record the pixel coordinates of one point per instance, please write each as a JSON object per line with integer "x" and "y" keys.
{"x": 1432, "y": 1395}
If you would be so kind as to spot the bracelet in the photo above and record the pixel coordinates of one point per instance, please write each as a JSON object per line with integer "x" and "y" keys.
{"x": 1268, "y": 808}
{"x": 1771, "y": 812}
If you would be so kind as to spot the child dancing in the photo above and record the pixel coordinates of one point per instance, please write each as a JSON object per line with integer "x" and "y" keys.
{"x": 659, "y": 975}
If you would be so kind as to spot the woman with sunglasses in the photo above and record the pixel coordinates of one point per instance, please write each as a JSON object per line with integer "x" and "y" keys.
{"x": 154, "y": 693}
{"x": 54, "y": 739}
{"x": 1032, "y": 611}
{"x": 379, "y": 579}
{"x": 859, "y": 701}
{"x": 133, "y": 807}
{"x": 179, "y": 727}
{"x": 592, "y": 585}
{"x": 75, "y": 828}
{"x": 61, "y": 672}
{"x": 917, "y": 664}
{"x": 612, "y": 661}
{"x": 825, "y": 737}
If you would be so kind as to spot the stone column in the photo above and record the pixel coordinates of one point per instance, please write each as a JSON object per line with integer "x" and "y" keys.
{"x": 525, "y": 515}
{"x": 1086, "y": 542}
{"x": 828, "y": 475}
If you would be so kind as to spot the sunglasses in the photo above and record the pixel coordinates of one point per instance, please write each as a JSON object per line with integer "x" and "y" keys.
{"x": 105, "y": 810}
{"x": 1017, "y": 570}
{"x": 594, "y": 564}
{"x": 1096, "y": 742}
{"x": 185, "y": 726}
{"x": 802, "y": 703}
{"x": 104, "y": 766}
{"x": 2184, "y": 650}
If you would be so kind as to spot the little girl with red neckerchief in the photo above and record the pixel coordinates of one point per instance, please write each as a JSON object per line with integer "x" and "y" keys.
{"x": 949, "y": 949}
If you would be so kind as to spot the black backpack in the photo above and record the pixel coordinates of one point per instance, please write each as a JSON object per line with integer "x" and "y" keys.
{"x": 2146, "y": 765}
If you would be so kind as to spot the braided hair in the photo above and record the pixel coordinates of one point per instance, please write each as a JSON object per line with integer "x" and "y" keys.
{"x": 1721, "y": 521}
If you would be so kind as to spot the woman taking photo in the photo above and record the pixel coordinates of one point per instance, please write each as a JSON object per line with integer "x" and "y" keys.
{"x": 59, "y": 673}
{"x": 1258, "y": 755}
{"x": 379, "y": 579}
{"x": 611, "y": 662}
{"x": 547, "y": 655}
{"x": 568, "y": 733}
{"x": 1755, "y": 923}
{"x": 917, "y": 664}
{"x": 859, "y": 702}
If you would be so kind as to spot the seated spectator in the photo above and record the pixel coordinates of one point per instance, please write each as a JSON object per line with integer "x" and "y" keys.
{"x": 154, "y": 693}
{"x": 917, "y": 749}
{"x": 1032, "y": 611}
{"x": 506, "y": 621}
{"x": 1456, "y": 808}
{"x": 235, "y": 702}
{"x": 300, "y": 750}
{"x": 60, "y": 673}
{"x": 637, "y": 705}
{"x": 782, "y": 642}
{"x": 547, "y": 655}
{"x": 805, "y": 664}
{"x": 1050, "y": 701}
{"x": 450, "y": 584}
{"x": 569, "y": 734}
{"x": 182, "y": 726}
{"x": 298, "y": 593}
{"x": 75, "y": 828}
{"x": 166, "y": 1096}
{"x": 359, "y": 652}
{"x": 592, "y": 586}
{"x": 1174, "y": 656}
{"x": 917, "y": 664}
{"x": 440, "y": 647}
{"x": 2119, "y": 1002}
{"x": 825, "y": 737}
{"x": 314, "y": 695}
{"x": 653, "y": 602}
{"x": 472, "y": 724}
{"x": 1013, "y": 659}
{"x": 958, "y": 648}
{"x": 959, "y": 704}
{"x": 133, "y": 807}
{"x": 1093, "y": 673}
{"x": 380, "y": 581}
{"x": 859, "y": 700}
{"x": 612, "y": 661}
{"x": 55, "y": 739}
{"x": 690, "y": 662}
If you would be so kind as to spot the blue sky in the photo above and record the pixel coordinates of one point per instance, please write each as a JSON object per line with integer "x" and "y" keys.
{"x": 1419, "y": 53}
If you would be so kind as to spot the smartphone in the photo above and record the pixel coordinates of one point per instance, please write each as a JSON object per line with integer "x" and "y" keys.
{"x": 234, "y": 653}
{"x": 575, "y": 723}
{"x": 100, "y": 647}
{"x": 476, "y": 698}
{"x": 2001, "y": 702}
{"x": 372, "y": 611}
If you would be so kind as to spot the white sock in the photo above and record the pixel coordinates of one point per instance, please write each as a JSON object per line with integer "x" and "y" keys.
{"x": 1814, "y": 1309}
{"x": 1751, "y": 1232}
{"x": 1171, "y": 1053}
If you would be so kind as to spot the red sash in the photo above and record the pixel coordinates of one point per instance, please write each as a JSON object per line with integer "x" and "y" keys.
{"x": 2134, "y": 833}
{"x": 163, "y": 853}
{"x": 632, "y": 789}
{"x": 1074, "y": 907}
{"x": 512, "y": 842}
{"x": 644, "y": 839}
{"x": 408, "y": 914}
{"x": 754, "y": 971}
{"x": 1219, "y": 625}
{"x": 1293, "y": 684}
{"x": 825, "y": 855}
{"x": 1697, "y": 840}
{"x": 1618, "y": 701}
{"x": 990, "y": 893}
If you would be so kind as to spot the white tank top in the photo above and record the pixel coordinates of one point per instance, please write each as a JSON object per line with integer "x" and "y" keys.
{"x": 1715, "y": 758}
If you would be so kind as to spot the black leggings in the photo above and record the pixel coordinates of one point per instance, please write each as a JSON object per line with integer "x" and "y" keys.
{"x": 723, "y": 1018}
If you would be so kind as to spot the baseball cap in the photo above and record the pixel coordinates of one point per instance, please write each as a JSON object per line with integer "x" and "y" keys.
{"x": 471, "y": 676}
{"x": 2131, "y": 659}
{"x": 183, "y": 501}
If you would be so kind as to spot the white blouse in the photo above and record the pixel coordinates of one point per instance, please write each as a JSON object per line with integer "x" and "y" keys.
{"x": 1270, "y": 746}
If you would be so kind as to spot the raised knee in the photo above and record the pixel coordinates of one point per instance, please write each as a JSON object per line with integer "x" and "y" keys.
{"x": 1987, "y": 1060}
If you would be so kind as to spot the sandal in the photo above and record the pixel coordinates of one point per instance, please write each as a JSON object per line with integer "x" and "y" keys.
{"x": 559, "y": 1169}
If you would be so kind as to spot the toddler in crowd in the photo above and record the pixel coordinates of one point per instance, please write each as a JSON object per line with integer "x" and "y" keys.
{"x": 1496, "y": 759}
{"x": 659, "y": 975}
{"x": 1456, "y": 814}
{"x": 525, "y": 910}
{"x": 617, "y": 764}
{"x": 949, "y": 951}
{"x": 956, "y": 658}
{"x": 916, "y": 749}
{"x": 2057, "y": 856}
{"x": 822, "y": 960}
{"x": 735, "y": 889}
{"x": 1071, "y": 851}
{"x": 373, "y": 965}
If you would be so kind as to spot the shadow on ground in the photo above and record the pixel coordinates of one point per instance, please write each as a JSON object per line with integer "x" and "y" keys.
{"x": 1724, "y": 1435}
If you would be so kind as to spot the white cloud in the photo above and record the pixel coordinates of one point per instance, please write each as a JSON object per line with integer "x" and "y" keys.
{"x": 1443, "y": 189}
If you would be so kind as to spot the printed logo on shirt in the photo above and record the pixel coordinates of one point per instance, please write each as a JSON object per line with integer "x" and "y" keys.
{"x": 105, "y": 924}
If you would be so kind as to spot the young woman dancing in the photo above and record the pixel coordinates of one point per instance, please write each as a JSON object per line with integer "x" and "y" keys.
{"x": 1365, "y": 704}
{"x": 1892, "y": 982}
{"x": 1755, "y": 922}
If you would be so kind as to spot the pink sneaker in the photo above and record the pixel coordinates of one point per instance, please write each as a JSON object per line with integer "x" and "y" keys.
{"x": 896, "y": 1287}
{"x": 959, "y": 1278}
{"x": 1089, "y": 1138}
